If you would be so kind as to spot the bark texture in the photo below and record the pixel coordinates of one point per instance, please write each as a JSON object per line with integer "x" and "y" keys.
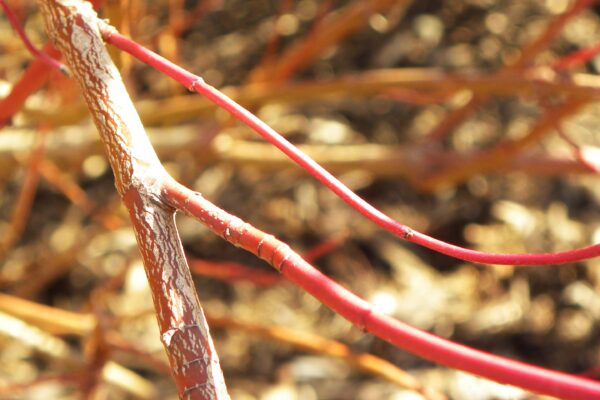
{"x": 73, "y": 27}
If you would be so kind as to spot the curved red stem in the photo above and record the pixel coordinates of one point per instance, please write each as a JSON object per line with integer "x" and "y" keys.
{"x": 195, "y": 83}
{"x": 360, "y": 313}
{"x": 14, "y": 21}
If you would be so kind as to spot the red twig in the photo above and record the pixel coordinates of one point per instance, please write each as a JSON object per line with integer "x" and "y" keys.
{"x": 44, "y": 57}
{"x": 12, "y": 389}
{"x": 33, "y": 78}
{"x": 361, "y": 313}
{"x": 324, "y": 247}
{"x": 556, "y": 25}
{"x": 232, "y": 271}
{"x": 195, "y": 83}
{"x": 576, "y": 58}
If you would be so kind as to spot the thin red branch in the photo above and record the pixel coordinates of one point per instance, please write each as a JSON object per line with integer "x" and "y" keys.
{"x": 195, "y": 83}
{"x": 361, "y": 313}
{"x": 576, "y": 58}
{"x": 553, "y": 29}
{"x": 36, "y": 74}
{"x": 324, "y": 247}
{"x": 232, "y": 271}
{"x": 44, "y": 57}
{"x": 32, "y": 80}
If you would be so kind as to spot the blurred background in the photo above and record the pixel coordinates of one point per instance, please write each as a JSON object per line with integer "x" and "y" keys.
{"x": 473, "y": 121}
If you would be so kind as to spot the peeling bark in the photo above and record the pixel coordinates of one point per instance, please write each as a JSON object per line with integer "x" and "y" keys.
{"x": 73, "y": 27}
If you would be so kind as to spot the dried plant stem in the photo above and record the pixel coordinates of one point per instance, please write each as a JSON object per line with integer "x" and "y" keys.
{"x": 331, "y": 348}
{"x": 553, "y": 29}
{"x": 18, "y": 325}
{"x": 385, "y": 161}
{"x": 58, "y": 321}
{"x": 67, "y": 149}
{"x": 262, "y": 70}
{"x": 427, "y": 82}
{"x": 331, "y": 30}
{"x": 50, "y": 319}
{"x": 73, "y": 26}
{"x": 453, "y": 119}
{"x": 25, "y": 199}
{"x": 501, "y": 154}
{"x": 526, "y": 56}
{"x": 72, "y": 191}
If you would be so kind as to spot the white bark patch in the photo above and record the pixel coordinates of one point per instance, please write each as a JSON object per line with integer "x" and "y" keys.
{"x": 78, "y": 37}
{"x": 167, "y": 336}
{"x": 177, "y": 307}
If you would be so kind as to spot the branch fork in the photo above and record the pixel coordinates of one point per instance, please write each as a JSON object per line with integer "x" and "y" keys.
{"x": 74, "y": 28}
{"x": 152, "y": 196}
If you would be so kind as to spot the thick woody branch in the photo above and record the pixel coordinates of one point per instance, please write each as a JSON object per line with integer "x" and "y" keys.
{"x": 73, "y": 27}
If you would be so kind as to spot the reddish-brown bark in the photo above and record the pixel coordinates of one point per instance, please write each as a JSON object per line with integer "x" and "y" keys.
{"x": 73, "y": 27}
